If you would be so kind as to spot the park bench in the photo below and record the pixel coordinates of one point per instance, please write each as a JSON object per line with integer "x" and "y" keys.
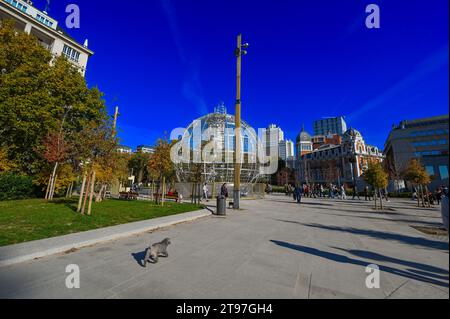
{"x": 128, "y": 195}
{"x": 173, "y": 196}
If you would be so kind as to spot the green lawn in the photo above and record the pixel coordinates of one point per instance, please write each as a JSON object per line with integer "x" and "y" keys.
{"x": 33, "y": 219}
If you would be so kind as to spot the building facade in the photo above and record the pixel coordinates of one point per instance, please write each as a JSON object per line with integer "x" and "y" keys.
{"x": 339, "y": 164}
{"x": 331, "y": 139}
{"x": 304, "y": 143}
{"x": 145, "y": 149}
{"x": 124, "y": 149}
{"x": 332, "y": 125}
{"x": 272, "y": 136}
{"x": 39, "y": 24}
{"x": 286, "y": 149}
{"x": 423, "y": 139}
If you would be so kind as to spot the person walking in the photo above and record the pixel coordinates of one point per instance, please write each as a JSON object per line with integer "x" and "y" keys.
{"x": 224, "y": 190}
{"x": 367, "y": 193}
{"x": 444, "y": 209}
{"x": 355, "y": 192}
{"x": 343, "y": 194}
{"x": 438, "y": 195}
{"x": 205, "y": 192}
{"x": 298, "y": 194}
{"x": 386, "y": 194}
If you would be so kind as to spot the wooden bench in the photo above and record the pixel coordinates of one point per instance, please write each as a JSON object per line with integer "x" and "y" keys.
{"x": 128, "y": 195}
{"x": 175, "y": 197}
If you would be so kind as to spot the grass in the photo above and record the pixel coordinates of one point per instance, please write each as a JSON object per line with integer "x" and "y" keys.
{"x": 33, "y": 219}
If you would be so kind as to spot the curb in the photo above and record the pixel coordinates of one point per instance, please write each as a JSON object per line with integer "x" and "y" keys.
{"x": 14, "y": 254}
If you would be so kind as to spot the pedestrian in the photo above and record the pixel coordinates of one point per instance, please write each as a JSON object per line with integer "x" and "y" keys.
{"x": 385, "y": 194}
{"x": 224, "y": 190}
{"x": 444, "y": 210}
{"x": 438, "y": 195}
{"x": 343, "y": 194}
{"x": 355, "y": 192}
{"x": 367, "y": 193}
{"x": 205, "y": 192}
{"x": 298, "y": 194}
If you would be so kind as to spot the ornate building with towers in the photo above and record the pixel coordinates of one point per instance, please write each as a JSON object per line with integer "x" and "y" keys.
{"x": 339, "y": 164}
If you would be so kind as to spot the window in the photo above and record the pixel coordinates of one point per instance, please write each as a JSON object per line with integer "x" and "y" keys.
{"x": 430, "y": 170}
{"x": 443, "y": 170}
{"x": 428, "y": 153}
{"x": 71, "y": 54}
{"x": 18, "y": 5}
{"x": 430, "y": 132}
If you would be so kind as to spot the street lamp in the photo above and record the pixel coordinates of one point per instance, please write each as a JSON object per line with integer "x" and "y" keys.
{"x": 239, "y": 52}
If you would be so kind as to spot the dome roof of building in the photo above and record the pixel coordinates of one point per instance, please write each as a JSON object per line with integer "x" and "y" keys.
{"x": 303, "y": 136}
{"x": 352, "y": 134}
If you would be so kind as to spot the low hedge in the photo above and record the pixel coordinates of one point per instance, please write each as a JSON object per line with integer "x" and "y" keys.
{"x": 14, "y": 186}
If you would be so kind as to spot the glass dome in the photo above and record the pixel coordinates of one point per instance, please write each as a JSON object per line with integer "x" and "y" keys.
{"x": 211, "y": 141}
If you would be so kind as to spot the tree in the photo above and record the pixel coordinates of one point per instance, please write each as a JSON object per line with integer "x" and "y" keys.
{"x": 160, "y": 166}
{"x": 138, "y": 164}
{"x": 34, "y": 94}
{"x": 5, "y": 164}
{"x": 416, "y": 174}
{"x": 376, "y": 176}
{"x": 55, "y": 151}
{"x": 93, "y": 147}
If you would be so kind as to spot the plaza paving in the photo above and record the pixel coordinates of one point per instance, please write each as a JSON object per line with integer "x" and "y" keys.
{"x": 273, "y": 248}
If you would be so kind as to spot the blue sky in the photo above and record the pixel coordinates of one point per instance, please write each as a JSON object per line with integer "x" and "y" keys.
{"x": 167, "y": 62}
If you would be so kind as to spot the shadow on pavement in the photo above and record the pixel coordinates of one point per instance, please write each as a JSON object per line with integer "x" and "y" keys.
{"x": 346, "y": 260}
{"x": 409, "y": 240}
{"x": 139, "y": 257}
{"x": 378, "y": 257}
{"x": 407, "y": 221}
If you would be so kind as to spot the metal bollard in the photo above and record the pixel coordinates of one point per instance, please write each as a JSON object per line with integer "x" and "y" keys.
{"x": 221, "y": 209}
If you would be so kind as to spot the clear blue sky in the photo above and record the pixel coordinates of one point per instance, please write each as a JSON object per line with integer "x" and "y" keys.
{"x": 167, "y": 62}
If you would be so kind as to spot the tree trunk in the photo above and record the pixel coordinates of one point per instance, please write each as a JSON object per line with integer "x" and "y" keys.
{"x": 92, "y": 193}
{"x": 98, "y": 196}
{"x": 428, "y": 197}
{"x": 163, "y": 195}
{"x": 381, "y": 199}
{"x": 80, "y": 200}
{"x": 375, "y": 199}
{"x": 104, "y": 192}
{"x": 418, "y": 195}
{"x": 47, "y": 192}
{"x": 52, "y": 187}
{"x": 422, "y": 196}
{"x": 88, "y": 183}
{"x": 69, "y": 195}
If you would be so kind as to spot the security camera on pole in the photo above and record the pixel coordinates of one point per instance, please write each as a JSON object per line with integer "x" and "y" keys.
{"x": 239, "y": 52}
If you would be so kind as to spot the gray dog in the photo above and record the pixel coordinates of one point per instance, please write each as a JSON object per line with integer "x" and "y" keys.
{"x": 156, "y": 250}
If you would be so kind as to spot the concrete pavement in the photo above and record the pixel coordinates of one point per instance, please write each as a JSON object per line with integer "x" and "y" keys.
{"x": 273, "y": 248}
{"x": 14, "y": 254}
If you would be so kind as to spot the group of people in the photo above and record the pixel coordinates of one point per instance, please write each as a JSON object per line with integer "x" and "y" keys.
{"x": 332, "y": 191}
{"x": 433, "y": 198}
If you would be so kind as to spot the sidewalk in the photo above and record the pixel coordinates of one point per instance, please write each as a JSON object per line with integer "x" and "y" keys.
{"x": 14, "y": 254}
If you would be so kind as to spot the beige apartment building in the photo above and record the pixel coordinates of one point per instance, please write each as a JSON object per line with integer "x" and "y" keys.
{"x": 46, "y": 29}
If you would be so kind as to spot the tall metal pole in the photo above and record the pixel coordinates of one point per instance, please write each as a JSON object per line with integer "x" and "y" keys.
{"x": 116, "y": 115}
{"x": 237, "y": 152}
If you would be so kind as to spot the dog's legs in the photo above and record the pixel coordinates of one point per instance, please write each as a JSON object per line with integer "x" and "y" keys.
{"x": 147, "y": 256}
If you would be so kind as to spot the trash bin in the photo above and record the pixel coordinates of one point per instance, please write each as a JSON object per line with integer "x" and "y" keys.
{"x": 221, "y": 209}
